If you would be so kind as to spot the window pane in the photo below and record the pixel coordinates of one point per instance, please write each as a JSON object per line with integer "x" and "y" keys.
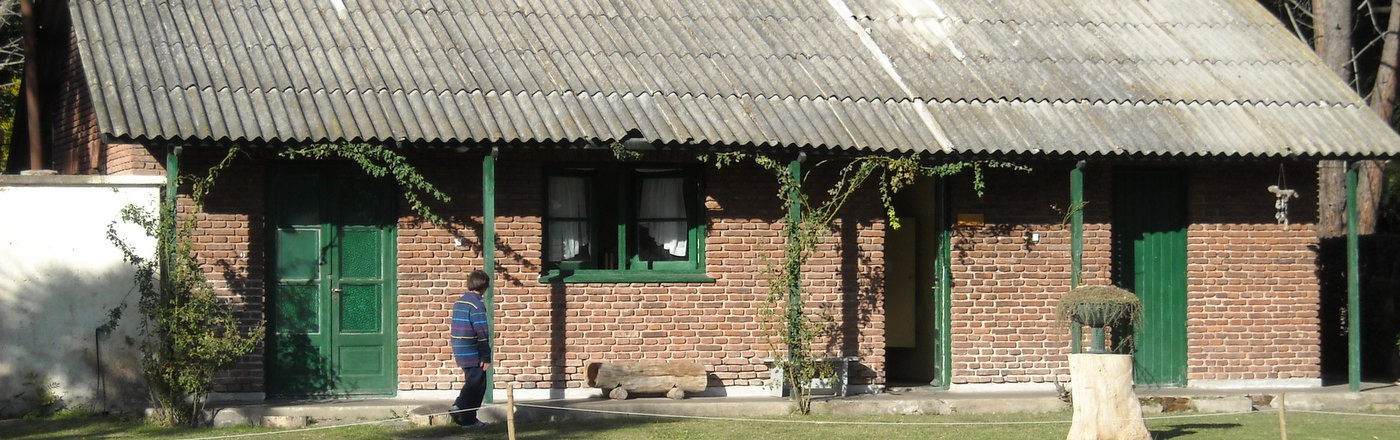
{"x": 662, "y": 240}
{"x": 569, "y": 238}
{"x": 662, "y": 198}
{"x": 568, "y": 197}
{"x": 663, "y": 229}
{"x": 569, "y": 241}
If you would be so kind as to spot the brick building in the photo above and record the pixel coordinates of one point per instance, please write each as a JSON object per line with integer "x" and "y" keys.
{"x": 517, "y": 112}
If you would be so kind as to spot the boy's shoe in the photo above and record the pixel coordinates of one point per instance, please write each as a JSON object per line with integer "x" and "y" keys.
{"x": 475, "y": 426}
{"x": 452, "y": 411}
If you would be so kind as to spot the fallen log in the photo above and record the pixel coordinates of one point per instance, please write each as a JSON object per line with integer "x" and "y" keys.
{"x": 675, "y": 379}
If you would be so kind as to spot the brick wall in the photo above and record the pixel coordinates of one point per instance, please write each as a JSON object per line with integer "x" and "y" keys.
{"x": 72, "y": 123}
{"x": 134, "y": 159}
{"x": 1004, "y": 288}
{"x": 1254, "y": 290}
{"x": 1252, "y": 298}
{"x": 230, "y": 241}
{"x": 1252, "y": 294}
{"x": 548, "y": 333}
{"x": 75, "y": 143}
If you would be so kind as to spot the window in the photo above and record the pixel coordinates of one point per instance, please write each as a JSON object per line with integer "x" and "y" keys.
{"x": 608, "y": 223}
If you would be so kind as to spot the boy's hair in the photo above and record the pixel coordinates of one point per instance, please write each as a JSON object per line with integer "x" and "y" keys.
{"x": 478, "y": 281}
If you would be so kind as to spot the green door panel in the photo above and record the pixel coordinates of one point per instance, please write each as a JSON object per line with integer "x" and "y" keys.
{"x": 332, "y": 242}
{"x": 1149, "y": 258}
{"x": 360, "y": 309}
{"x": 298, "y": 255}
{"x": 364, "y": 258}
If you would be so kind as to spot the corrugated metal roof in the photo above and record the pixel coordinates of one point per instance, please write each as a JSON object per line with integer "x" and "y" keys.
{"x": 1158, "y": 77}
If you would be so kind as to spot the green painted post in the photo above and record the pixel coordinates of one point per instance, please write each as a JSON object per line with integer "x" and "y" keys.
{"x": 1353, "y": 286}
{"x": 1076, "y": 246}
{"x": 488, "y": 257}
{"x": 172, "y": 192}
{"x": 794, "y": 291}
{"x": 172, "y": 177}
{"x": 1096, "y": 343}
{"x": 943, "y": 292}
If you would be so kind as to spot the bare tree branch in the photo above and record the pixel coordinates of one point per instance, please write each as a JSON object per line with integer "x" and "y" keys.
{"x": 11, "y": 43}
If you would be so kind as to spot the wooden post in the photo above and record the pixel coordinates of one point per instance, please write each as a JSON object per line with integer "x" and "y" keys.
{"x": 1282, "y": 421}
{"x": 510, "y": 410}
{"x": 31, "y": 84}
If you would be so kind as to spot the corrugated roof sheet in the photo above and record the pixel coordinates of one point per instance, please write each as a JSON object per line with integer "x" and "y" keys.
{"x": 1158, "y": 77}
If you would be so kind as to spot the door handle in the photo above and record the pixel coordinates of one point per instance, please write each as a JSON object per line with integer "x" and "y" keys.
{"x": 336, "y": 292}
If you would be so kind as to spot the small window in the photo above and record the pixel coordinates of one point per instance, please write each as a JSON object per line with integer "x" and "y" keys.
{"x": 623, "y": 224}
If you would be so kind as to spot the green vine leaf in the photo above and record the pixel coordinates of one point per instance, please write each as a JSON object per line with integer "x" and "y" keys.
{"x": 379, "y": 161}
{"x": 783, "y": 318}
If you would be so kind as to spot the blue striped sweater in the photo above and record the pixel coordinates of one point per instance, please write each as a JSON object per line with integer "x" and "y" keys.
{"x": 471, "y": 337}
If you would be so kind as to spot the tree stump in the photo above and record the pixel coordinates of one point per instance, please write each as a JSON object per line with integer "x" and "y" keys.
{"x": 1105, "y": 406}
{"x": 674, "y": 379}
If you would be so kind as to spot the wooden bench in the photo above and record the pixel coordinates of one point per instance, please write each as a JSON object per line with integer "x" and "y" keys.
{"x": 675, "y": 379}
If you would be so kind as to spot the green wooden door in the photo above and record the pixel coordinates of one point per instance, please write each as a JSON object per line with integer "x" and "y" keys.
{"x": 331, "y": 318}
{"x": 1149, "y": 258}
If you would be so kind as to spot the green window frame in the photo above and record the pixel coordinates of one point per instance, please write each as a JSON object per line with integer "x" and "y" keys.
{"x": 611, "y": 234}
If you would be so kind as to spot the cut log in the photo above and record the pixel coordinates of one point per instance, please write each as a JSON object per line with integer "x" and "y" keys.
{"x": 1105, "y": 406}
{"x": 618, "y": 393}
{"x": 675, "y": 379}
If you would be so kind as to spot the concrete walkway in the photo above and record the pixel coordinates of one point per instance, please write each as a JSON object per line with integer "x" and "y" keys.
{"x": 1373, "y": 397}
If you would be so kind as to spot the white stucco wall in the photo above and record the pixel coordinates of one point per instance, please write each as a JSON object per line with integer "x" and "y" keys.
{"x": 59, "y": 278}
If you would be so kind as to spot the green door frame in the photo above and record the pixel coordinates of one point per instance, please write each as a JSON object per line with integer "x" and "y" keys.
{"x": 331, "y": 230}
{"x": 943, "y": 287}
{"x": 1150, "y": 221}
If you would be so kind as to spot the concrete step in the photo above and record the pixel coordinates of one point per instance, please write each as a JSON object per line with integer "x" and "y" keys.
{"x": 425, "y": 412}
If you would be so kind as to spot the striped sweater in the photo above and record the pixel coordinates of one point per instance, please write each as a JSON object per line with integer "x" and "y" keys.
{"x": 471, "y": 338}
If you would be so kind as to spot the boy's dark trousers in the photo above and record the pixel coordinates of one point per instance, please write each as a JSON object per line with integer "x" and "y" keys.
{"x": 470, "y": 398}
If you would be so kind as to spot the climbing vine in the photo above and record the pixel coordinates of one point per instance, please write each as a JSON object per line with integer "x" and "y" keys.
{"x": 784, "y": 318}
{"x": 378, "y": 161}
{"x": 188, "y": 333}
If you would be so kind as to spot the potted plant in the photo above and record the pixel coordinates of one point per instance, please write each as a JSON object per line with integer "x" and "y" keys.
{"x": 1098, "y": 307}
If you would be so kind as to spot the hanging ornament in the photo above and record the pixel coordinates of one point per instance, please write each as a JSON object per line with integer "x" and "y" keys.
{"x": 1281, "y": 196}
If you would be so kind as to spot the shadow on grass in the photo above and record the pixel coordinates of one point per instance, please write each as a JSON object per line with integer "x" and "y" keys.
{"x": 70, "y": 426}
{"x": 539, "y": 429}
{"x": 1190, "y": 429}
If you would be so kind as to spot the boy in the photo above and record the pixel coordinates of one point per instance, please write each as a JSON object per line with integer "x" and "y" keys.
{"x": 471, "y": 347}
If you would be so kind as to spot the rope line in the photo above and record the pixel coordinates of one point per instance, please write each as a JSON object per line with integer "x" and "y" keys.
{"x": 835, "y": 422}
{"x": 1388, "y": 416}
{"x": 810, "y": 422}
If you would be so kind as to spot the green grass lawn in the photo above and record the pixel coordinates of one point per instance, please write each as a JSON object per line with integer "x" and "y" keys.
{"x": 1262, "y": 425}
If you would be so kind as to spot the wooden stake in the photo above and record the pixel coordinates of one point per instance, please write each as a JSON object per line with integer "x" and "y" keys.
{"x": 510, "y": 410}
{"x": 1282, "y": 422}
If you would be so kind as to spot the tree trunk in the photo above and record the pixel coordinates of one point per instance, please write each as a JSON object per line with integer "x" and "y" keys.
{"x": 1105, "y": 406}
{"x": 31, "y": 85}
{"x": 652, "y": 377}
{"x": 1332, "y": 35}
{"x": 1331, "y": 198}
{"x": 1332, "y": 41}
{"x": 1372, "y": 178}
{"x": 1383, "y": 95}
